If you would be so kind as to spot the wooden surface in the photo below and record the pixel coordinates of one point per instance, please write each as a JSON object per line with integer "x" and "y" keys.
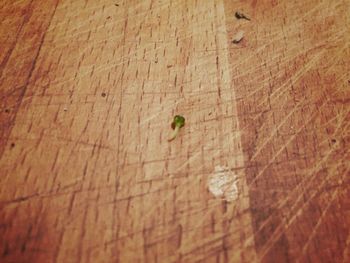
{"x": 88, "y": 91}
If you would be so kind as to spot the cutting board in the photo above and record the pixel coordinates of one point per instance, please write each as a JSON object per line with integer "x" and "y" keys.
{"x": 259, "y": 172}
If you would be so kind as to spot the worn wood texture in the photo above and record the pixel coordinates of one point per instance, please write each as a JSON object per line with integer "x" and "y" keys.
{"x": 88, "y": 91}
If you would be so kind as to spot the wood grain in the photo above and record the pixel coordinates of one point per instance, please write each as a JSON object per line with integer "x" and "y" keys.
{"x": 89, "y": 90}
{"x": 23, "y": 29}
{"x": 294, "y": 105}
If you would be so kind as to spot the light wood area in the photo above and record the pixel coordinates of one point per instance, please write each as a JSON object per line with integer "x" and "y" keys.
{"x": 259, "y": 173}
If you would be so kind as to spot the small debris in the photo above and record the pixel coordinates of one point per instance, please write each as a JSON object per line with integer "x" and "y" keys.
{"x": 7, "y": 110}
{"x": 238, "y": 37}
{"x": 177, "y": 124}
{"x": 65, "y": 109}
{"x": 103, "y": 94}
{"x": 116, "y": 4}
{"x": 333, "y": 140}
{"x": 169, "y": 66}
{"x": 108, "y": 17}
{"x": 240, "y": 15}
{"x": 13, "y": 145}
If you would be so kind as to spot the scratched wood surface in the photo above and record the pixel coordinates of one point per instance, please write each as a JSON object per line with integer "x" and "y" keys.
{"x": 88, "y": 92}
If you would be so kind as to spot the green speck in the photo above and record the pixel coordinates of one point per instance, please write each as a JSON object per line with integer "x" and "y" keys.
{"x": 178, "y": 123}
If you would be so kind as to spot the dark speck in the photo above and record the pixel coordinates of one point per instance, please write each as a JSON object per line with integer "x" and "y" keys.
{"x": 240, "y": 15}
{"x": 116, "y": 4}
{"x": 333, "y": 140}
{"x": 210, "y": 113}
{"x": 23, "y": 247}
{"x": 235, "y": 41}
{"x": 108, "y": 17}
{"x": 13, "y": 145}
{"x": 7, "y": 110}
{"x": 6, "y": 250}
{"x": 103, "y": 94}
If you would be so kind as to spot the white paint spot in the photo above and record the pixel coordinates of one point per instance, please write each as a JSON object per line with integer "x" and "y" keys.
{"x": 223, "y": 183}
{"x": 238, "y": 37}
